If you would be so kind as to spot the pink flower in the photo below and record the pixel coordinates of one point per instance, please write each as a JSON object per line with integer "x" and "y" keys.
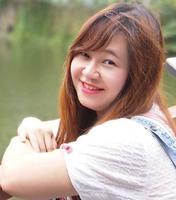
{"x": 66, "y": 147}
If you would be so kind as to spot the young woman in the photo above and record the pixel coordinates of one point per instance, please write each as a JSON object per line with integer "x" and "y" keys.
{"x": 115, "y": 135}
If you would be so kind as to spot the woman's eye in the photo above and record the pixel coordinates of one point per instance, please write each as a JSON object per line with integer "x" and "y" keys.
{"x": 109, "y": 62}
{"x": 84, "y": 54}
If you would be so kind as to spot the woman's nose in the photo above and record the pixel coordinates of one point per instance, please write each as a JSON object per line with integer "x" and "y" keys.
{"x": 90, "y": 70}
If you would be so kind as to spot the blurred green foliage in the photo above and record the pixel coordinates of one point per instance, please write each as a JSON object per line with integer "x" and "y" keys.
{"x": 49, "y": 24}
{"x": 53, "y": 21}
{"x": 167, "y": 12}
{"x": 2, "y": 2}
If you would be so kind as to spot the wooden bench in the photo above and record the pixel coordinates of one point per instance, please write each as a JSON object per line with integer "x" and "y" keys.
{"x": 172, "y": 110}
{"x": 171, "y": 67}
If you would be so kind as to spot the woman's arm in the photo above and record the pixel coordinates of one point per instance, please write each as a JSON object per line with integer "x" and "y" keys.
{"x": 3, "y": 195}
{"x": 31, "y": 175}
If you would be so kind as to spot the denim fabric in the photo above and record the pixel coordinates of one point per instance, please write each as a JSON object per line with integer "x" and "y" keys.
{"x": 165, "y": 137}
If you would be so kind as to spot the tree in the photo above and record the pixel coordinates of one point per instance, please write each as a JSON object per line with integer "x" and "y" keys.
{"x": 167, "y": 12}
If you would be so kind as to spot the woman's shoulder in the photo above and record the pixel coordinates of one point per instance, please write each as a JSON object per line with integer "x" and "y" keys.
{"x": 119, "y": 128}
{"x": 118, "y": 135}
{"x": 127, "y": 135}
{"x": 119, "y": 149}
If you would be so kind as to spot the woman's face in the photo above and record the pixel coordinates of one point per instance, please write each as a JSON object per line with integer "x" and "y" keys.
{"x": 98, "y": 76}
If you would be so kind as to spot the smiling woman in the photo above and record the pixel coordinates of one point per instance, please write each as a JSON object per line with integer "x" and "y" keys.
{"x": 94, "y": 75}
{"x": 115, "y": 136}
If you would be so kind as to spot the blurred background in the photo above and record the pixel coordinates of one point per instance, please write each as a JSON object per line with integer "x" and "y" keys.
{"x": 34, "y": 37}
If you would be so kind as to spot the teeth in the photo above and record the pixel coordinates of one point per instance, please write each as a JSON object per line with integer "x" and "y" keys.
{"x": 90, "y": 87}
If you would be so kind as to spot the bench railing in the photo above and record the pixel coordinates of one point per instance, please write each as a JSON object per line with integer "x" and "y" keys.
{"x": 171, "y": 67}
{"x": 172, "y": 110}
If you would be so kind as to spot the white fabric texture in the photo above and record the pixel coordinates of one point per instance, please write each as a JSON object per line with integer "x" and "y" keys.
{"x": 120, "y": 160}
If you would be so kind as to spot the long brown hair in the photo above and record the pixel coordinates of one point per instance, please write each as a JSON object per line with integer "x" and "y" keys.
{"x": 145, "y": 57}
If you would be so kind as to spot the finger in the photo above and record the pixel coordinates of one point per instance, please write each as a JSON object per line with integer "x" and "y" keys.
{"x": 22, "y": 133}
{"x": 54, "y": 142}
{"x": 34, "y": 141}
{"x": 49, "y": 142}
{"x": 41, "y": 141}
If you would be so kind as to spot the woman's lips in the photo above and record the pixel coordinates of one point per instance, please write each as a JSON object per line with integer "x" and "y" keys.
{"x": 89, "y": 88}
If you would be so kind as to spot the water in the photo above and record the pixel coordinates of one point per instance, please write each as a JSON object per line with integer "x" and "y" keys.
{"x": 30, "y": 74}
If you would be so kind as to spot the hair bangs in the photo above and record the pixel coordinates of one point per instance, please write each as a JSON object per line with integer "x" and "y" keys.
{"x": 95, "y": 35}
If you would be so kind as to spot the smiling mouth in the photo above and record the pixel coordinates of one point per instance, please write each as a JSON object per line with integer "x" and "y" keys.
{"x": 89, "y": 88}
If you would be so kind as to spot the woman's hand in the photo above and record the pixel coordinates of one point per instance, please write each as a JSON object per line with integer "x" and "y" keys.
{"x": 39, "y": 133}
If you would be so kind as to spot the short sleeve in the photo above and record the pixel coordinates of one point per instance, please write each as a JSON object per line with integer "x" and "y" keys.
{"x": 107, "y": 163}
